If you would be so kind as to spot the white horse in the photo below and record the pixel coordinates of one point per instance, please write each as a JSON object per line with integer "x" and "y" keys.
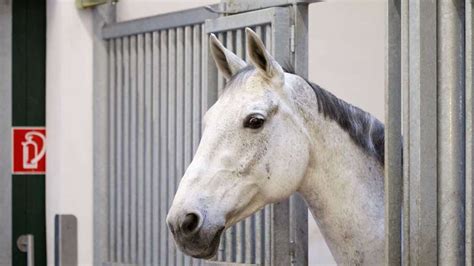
{"x": 269, "y": 135}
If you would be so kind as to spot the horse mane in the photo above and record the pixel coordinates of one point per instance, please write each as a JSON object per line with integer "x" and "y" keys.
{"x": 364, "y": 129}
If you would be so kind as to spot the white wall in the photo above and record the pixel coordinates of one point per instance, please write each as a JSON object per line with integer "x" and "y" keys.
{"x": 69, "y": 121}
{"x": 346, "y": 56}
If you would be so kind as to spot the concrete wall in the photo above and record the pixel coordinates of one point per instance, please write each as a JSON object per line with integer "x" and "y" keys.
{"x": 346, "y": 57}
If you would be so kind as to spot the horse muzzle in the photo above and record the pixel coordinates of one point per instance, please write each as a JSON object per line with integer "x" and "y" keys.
{"x": 194, "y": 235}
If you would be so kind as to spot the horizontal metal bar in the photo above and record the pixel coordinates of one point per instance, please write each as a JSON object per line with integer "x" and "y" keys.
{"x": 159, "y": 22}
{"x": 239, "y": 21}
{"x": 232, "y": 6}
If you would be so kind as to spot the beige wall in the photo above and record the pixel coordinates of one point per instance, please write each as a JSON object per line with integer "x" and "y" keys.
{"x": 346, "y": 56}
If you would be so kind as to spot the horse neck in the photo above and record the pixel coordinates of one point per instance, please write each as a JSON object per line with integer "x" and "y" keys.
{"x": 343, "y": 187}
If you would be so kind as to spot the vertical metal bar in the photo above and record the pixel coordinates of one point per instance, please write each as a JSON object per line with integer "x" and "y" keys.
{"x": 112, "y": 154}
{"x": 196, "y": 86}
{"x": 126, "y": 148}
{"x": 220, "y": 78}
{"x": 119, "y": 148}
{"x": 250, "y": 222}
{"x": 204, "y": 91}
{"x": 26, "y": 243}
{"x": 393, "y": 142}
{"x": 298, "y": 209}
{"x": 133, "y": 149}
{"x": 101, "y": 15}
{"x": 406, "y": 131}
{"x": 196, "y": 100}
{"x": 226, "y": 239}
{"x": 100, "y": 49}
{"x": 188, "y": 116}
{"x": 268, "y": 209}
{"x": 204, "y": 72}
{"x": 451, "y": 130}
{"x": 163, "y": 145}
{"x": 148, "y": 152}
{"x": 30, "y": 253}
{"x": 281, "y": 211}
{"x": 225, "y": 248}
{"x": 171, "y": 132}
{"x": 179, "y": 114}
{"x": 469, "y": 136}
{"x": 259, "y": 216}
{"x": 209, "y": 80}
{"x": 423, "y": 127}
{"x": 156, "y": 149}
{"x": 140, "y": 148}
{"x": 239, "y": 229}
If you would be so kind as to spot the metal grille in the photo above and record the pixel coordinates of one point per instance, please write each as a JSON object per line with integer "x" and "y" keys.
{"x": 429, "y": 100}
{"x": 156, "y": 100}
{"x": 160, "y": 80}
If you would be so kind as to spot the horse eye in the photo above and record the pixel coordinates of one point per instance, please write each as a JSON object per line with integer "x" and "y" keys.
{"x": 254, "y": 122}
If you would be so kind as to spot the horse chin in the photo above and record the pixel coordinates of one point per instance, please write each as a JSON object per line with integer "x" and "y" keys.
{"x": 210, "y": 250}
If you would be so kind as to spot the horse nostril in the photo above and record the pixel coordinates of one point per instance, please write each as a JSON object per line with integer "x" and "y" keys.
{"x": 191, "y": 223}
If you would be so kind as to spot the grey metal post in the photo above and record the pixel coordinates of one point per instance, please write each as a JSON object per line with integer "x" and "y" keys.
{"x": 422, "y": 122}
{"x": 405, "y": 85}
{"x": 102, "y": 15}
{"x": 5, "y": 131}
{"x": 469, "y": 129}
{"x": 451, "y": 171}
{"x": 298, "y": 208}
{"x": 281, "y": 211}
{"x": 393, "y": 142}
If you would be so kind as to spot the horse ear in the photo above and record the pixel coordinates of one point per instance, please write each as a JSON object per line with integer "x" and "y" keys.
{"x": 261, "y": 58}
{"x": 227, "y": 62}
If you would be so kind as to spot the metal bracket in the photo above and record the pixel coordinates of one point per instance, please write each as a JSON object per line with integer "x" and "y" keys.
{"x": 233, "y": 6}
{"x": 65, "y": 240}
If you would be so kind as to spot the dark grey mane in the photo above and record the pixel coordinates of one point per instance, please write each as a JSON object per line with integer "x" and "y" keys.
{"x": 363, "y": 128}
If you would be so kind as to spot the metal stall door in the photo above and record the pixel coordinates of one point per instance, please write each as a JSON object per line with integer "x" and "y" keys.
{"x": 154, "y": 80}
{"x": 150, "y": 96}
